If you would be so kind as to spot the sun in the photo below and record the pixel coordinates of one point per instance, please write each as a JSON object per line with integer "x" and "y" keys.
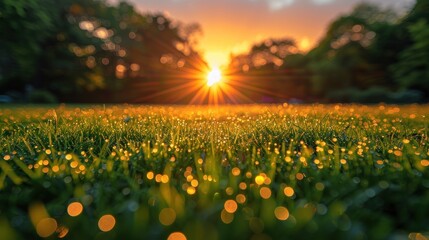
{"x": 214, "y": 77}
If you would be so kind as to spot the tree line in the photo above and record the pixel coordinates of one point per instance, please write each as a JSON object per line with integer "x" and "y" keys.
{"x": 92, "y": 51}
{"x": 369, "y": 55}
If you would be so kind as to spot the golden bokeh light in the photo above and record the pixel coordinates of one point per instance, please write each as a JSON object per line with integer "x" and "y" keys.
{"x": 226, "y": 216}
{"x": 281, "y": 213}
{"x": 241, "y": 198}
{"x": 165, "y": 178}
{"x": 74, "y": 209}
{"x": 176, "y": 236}
{"x": 194, "y": 183}
{"x": 229, "y": 191}
{"x": 158, "y": 178}
{"x": 320, "y": 186}
{"x": 214, "y": 77}
{"x": 267, "y": 181}
{"x": 150, "y": 175}
{"x": 265, "y": 192}
{"x": 62, "y": 231}
{"x": 299, "y": 176}
{"x": 259, "y": 179}
{"x": 55, "y": 168}
{"x": 167, "y": 216}
{"x": 191, "y": 190}
{"x": 230, "y": 206}
{"x": 242, "y": 186}
{"x": 288, "y": 191}
{"x": 106, "y": 223}
{"x": 46, "y": 227}
{"x": 236, "y": 171}
{"x": 398, "y": 153}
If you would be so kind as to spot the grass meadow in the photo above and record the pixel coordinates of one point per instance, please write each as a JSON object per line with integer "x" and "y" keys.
{"x": 226, "y": 172}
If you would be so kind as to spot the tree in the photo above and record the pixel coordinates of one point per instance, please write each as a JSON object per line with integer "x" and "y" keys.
{"x": 273, "y": 70}
{"x": 75, "y": 47}
{"x": 347, "y": 51}
{"x": 268, "y": 54}
{"x": 24, "y": 26}
{"x": 412, "y": 70}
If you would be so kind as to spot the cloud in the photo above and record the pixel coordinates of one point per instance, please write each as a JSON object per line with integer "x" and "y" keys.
{"x": 279, "y": 4}
{"x": 321, "y": 2}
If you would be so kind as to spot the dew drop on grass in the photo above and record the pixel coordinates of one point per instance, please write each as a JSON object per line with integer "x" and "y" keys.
{"x": 167, "y": 216}
{"x": 133, "y": 206}
{"x": 74, "y": 209}
{"x": 321, "y": 209}
{"x": 281, "y": 213}
{"x": 370, "y": 193}
{"x": 46, "y": 227}
{"x": 383, "y": 184}
{"x": 106, "y": 223}
{"x": 230, "y": 206}
{"x": 176, "y": 236}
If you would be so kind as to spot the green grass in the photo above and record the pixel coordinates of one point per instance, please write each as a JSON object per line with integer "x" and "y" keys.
{"x": 228, "y": 172}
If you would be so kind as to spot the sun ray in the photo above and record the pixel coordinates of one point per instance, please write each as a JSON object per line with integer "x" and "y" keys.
{"x": 200, "y": 84}
{"x": 200, "y": 96}
{"x": 178, "y": 90}
{"x": 235, "y": 95}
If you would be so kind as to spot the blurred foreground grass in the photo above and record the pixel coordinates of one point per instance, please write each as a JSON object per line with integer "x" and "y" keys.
{"x": 230, "y": 172}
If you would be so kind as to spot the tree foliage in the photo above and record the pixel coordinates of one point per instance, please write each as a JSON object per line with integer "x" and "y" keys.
{"x": 88, "y": 46}
{"x": 412, "y": 70}
{"x": 348, "y": 47}
{"x": 368, "y": 55}
{"x": 24, "y": 26}
{"x": 269, "y": 53}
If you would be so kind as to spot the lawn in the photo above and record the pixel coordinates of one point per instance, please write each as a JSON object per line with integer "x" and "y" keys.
{"x": 226, "y": 172}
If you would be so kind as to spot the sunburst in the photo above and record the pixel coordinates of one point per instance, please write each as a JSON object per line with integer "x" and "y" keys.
{"x": 201, "y": 84}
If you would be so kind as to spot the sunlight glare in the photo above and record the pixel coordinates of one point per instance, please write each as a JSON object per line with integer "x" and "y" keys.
{"x": 213, "y": 77}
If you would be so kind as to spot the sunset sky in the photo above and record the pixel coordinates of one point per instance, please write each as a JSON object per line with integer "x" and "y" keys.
{"x": 233, "y": 25}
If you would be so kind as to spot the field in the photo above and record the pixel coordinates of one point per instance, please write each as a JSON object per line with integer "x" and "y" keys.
{"x": 227, "y": 172}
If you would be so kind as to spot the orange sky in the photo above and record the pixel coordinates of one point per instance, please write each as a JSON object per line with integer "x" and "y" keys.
{"x": 233, "y": 25}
